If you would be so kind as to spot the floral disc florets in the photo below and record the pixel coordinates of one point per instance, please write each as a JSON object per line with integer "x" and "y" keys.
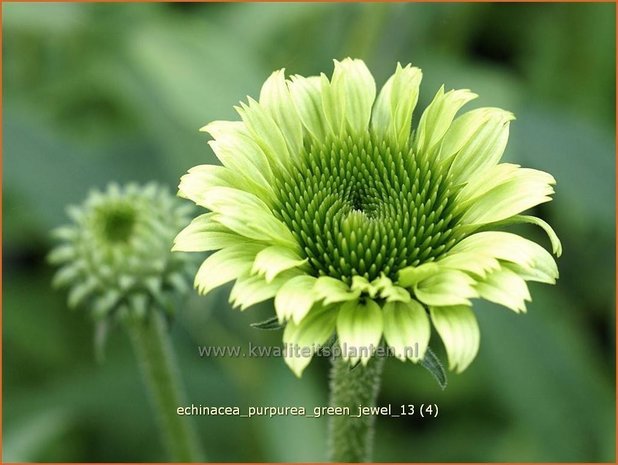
{"x": 358, "y": 226}
{"x": 365, "y": 207}
{"x": 115, "y": 256}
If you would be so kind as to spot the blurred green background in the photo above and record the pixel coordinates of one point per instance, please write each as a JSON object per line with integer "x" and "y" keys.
{"x": 100, "y": 92}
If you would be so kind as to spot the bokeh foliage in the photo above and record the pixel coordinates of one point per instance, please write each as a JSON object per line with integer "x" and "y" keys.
{"x": 100, "y": 92}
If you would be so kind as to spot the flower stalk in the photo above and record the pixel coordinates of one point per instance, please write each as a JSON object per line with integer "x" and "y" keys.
{"x": 159, "y": 370}
{"x": 351, "y": 438}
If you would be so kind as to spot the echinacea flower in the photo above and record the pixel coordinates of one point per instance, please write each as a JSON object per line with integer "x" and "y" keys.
{"x": 358, "y": 226}
{"x": 115, "y": 256}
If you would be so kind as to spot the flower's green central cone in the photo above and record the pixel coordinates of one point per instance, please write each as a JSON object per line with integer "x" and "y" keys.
{"x": 117, "y": 222}
{"x": 359, "y": 206}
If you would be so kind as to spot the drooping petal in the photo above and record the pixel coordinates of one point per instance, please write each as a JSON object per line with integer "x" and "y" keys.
{"x": 359, "y": 327}
{"x": 478, "y": 264}
{"x": 205, "y": 234}
{"x": 275, "y": 97}
{"x": 449, "y": 287}
{"x": 295, "y": 298}
{"x": 411, "y": 275}
{"x": 362, "y": 285}
{"x": 389, "y": 291}
{"x": 475, "y": 141}
{"x": 459, "y": 331}
{"x": 301, "y": 340}
{"x": 224, "y": 266}
{"x": 556, "y": 245}
{"x": 392, "y": 113}
{"x": 251, "y": 289}
{"x": 437, "y": 118}
{"x": 274, "y": 259}
{"x": 529, "y": 260}
{"x": 505, "y": 287}
{"x": 333, "y": 290}
{"x": 524, "y": 189}
{"x": 305, "y": 93}
{"x": 406, "y": 329}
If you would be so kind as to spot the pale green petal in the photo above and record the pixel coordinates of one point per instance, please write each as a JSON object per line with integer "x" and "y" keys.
{"x": 333, "y": 105}
{"x": 556, "y": 245}
{"x": 224, "y": 266}
{"x": 448, "y": 287}
{"x": 205, "y": 234}
{"x": 476, "y": 263}
{"x": 68, "y": 274}
{"x": 389, "y": 291}
{"x": 106, "y": 303}
{"x": 406, "y": 329}
{"x": 411, "y": 275}
{"x": 295, "y": 298}
{"x": 525, "y": 189}
{"x": 505, "y": 287}
{"x": 395, "y": 294}
{"x": 66, "y": 233}
{"x": 220, "y": 129}
{"x": 362, "y": 284}
{"x": 333, "y": 290}
{"x": 234, "y": 147}
{"x": 531, "y": 259}
{"x": 275, "y": 97}
{"x": 265, "y": 131}
{"x": 258, "y": 229}
{"x": 251, "y": 289}
{"x": 353, "y": 78}
{"x": 459, "y": 331}
{"x": 225, "y": 200}
{"x": 306, "y": 95}
{"x": 547, "y": 275}
{"x": 392, "y": 113}
{"x": 359, "y": 328}
{"x": 62, "y": 254}
{"x": 81, "y": 291}
{"x": 437, "y": 118}
{"x": 199, "y": 179}
{"x": 273, "y": 260}
{"x": 475, "y": 141}
{"x": 485, "y": 181}
{"x": 246, "y": 214}
{"x": 302, "y": 340}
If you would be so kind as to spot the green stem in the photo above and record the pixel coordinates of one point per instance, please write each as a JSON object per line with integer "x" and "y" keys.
{"x": 351, "y": 438}
{"x": 155, "y": 357}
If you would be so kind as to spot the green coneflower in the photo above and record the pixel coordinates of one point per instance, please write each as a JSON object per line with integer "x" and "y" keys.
{"x": 115, "y": 256}
{"x": 358, "y": 226}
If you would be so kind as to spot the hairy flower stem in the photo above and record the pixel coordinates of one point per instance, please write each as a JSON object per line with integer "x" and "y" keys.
{"x": 157, "y": 363}
{"x": 351, "y": 439}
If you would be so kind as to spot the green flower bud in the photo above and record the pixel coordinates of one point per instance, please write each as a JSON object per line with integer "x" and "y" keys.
{"x": 115, "y": 256}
